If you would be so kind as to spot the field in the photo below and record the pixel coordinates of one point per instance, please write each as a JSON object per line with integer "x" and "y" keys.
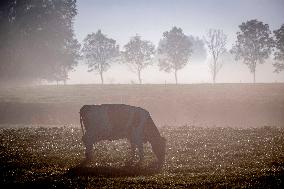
{"x": 221, "y": 105}
{"x": 224, "y": 136}
{"x": 196, "y": 157}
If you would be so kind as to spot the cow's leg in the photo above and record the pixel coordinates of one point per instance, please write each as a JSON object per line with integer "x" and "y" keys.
{"x": 89, "y": 151}
{"x": 138, "y": 142}
{"x": 132, "y": 148}
{"x": 139, "y": 134}
{"x": 140, "y": 152}
{"x": 87, "y": 140}
{"x": 132, "y": 153}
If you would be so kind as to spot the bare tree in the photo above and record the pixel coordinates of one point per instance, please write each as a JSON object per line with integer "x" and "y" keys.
{"x": 216, "y": 41}
{"x": 99, "y": 50}
{"x": 138, "y": 54}
{"x": 279, "y": 53}
{"x": 253, "y": 44}
{"x": 174, "y": 51}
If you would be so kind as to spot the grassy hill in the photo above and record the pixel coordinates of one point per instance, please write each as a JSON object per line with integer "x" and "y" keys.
{"x": 240, "y": 105}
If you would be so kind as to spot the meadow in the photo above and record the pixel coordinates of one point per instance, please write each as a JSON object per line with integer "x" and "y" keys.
{"x": 218, "y": 136}
{"x": 205, "y": 105}
{"x": 196, "y": 157}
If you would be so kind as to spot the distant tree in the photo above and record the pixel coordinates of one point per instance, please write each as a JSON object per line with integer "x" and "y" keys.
{"x": 99, "y": 50}
{"x": 216, "y": 41}
{"x": 138, "y": 54}
{"x": 253, "y": 44}
{"x": 279, "y": 53}
{"x": 174, "y": 51}
{"x": 66, "y": 63}
{"x": 228, "y": 58}
{"x": 199, "y": 52}
{"x": 35, "y": 39}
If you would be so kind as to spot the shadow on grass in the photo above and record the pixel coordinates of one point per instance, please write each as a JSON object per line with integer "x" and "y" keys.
{"x": 107, "y": 171}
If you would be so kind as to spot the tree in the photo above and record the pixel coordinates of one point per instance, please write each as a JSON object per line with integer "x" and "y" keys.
{"x": 199, "y": 52}
{"x": 138, "y": 54}
{"x": 174, "y": 51}
{"x": 68, "y": 52}
{"x": 99, "y": 50}
{"x": 35, "y": 39}
{"x": 279, "y": 53}
{"x": 253, "y": 44}
{"x": 66, "y": 63}
{"x": 216, "y": 42}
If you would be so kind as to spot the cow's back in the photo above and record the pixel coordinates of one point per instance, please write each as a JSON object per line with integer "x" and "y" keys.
{"x": 118, "y": 116}
{"x": 112, "y": 121}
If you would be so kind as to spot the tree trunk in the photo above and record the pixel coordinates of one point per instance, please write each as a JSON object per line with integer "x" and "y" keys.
{"x": 254, "y": 76}
{"x": 65, "y": 76}
{"x": 214, "y": 74}
{"x": 214, "y": 71}
{"x": 253, "y": 71}
{"x": 102, "y": 78}
{"x": 176, "y": 77}
{"x": 139, "y": 76}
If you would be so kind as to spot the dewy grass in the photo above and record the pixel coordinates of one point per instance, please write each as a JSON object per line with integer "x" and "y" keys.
{"x": 196, "y": 157}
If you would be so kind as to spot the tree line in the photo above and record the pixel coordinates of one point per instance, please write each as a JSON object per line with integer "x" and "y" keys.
{"x": 253, "y": 46}
{"x": 38, "y": 43}
{"x": 173, "y": 53}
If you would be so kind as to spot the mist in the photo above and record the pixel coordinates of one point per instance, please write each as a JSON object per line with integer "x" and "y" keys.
{"x": 121, "y": 20}
{"x": 37, "y": 56}
{"x": 141, "y": 94}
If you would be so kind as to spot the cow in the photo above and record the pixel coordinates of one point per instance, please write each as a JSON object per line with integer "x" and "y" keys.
{"x": 120, "y": 121}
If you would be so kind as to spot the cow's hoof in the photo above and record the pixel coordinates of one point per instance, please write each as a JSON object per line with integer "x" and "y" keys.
{"x": 85, "y": 162}
{"x": 156, "y": 165}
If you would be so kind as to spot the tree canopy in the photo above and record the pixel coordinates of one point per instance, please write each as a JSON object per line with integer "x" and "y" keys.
{"x": 253, "y": 44}
{"x": 138, "y": 54}
{"x": 174, "y": 51}
{"x": 279, "y": 46}
{"x": 37, "y": 40}
{"x": 199, "y": 52}
{"x": 99, "y": 51}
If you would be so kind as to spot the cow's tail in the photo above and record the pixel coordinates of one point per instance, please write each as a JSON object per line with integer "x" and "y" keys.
{"x": 81, "y": 122}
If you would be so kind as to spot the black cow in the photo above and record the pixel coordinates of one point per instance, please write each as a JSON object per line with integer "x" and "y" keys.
{"x": 119, "y": 121}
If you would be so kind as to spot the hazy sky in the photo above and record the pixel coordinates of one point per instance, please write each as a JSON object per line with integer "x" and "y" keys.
{"x": 121, "y": 19}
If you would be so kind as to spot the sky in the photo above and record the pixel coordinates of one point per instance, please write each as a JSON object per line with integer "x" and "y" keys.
{"x": 122, "y": 19}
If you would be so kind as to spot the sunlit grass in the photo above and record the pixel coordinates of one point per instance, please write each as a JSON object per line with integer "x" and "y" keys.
{"x": 195, "y": 157}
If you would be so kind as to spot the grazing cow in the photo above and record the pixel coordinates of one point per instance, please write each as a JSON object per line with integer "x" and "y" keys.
{"x": 119, "y": 121}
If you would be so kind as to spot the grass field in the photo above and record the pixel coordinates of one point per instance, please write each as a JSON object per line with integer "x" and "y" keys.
{"x": 223, "y": 105}
{"x": 223, "y": 135}
{"x": 196, "y": 157}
